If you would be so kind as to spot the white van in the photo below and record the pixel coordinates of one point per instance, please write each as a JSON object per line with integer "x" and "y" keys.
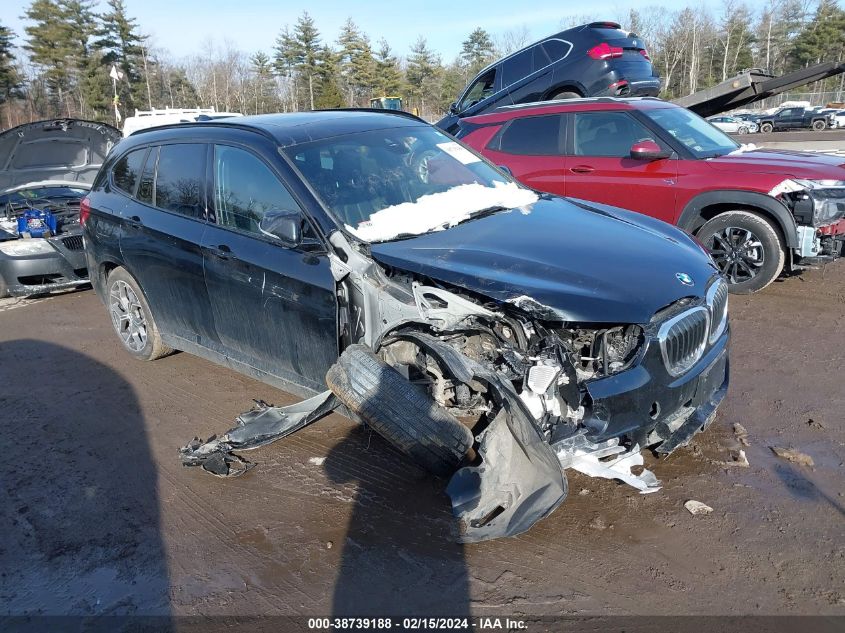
{"x": 151, "y": 118}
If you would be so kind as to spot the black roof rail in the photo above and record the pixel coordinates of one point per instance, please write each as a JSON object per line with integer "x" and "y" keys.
{"x": 407, "y": 115}
{"x": 187, "y": 125}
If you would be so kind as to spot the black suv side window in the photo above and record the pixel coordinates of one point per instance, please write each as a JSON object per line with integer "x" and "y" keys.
{"x": 517, "y": 67}
{"x": 481, "y": 89}
{"x": 127, "y": 171}
{"x": 145, "y": 188}
{"x": 180, "y": 179}
{"x": 609, "y": 134}
{"x": 245, "y": 189}
{"x": 556, "y": 49}
{"x": 533, "y": 136}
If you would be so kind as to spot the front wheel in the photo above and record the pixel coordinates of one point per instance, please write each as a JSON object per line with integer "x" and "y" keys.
{"x": 766, "y": 128}
{"x": 132, "y": 318}
{"x": 747, "y": 249}
{"x": 818, "y": 126}
{"x": 743, "y": 130}
{"x": 400, "y": 411}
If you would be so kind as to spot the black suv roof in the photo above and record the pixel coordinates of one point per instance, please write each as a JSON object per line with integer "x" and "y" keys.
{"x": 300, "y": 127}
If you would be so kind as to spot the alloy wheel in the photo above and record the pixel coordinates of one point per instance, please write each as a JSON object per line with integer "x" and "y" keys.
{"x": 738, "y": 253}
{"x": 128, "y": 316}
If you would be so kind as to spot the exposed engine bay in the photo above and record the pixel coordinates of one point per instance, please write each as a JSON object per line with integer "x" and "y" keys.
{"x": 38, "y": 217}
{"x": 816, "y": 206}
{"x": 516, "y": 380}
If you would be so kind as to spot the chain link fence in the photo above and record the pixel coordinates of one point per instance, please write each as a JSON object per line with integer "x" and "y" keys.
{"x": 814, "y": 98}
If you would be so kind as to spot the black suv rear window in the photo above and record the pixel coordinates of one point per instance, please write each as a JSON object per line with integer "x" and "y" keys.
{"x": 127, "y": 170}
{"x": 533, "y": 136}
{"x": 180, "y": 178}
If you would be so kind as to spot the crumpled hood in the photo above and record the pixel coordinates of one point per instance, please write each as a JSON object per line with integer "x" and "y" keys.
{"x": 58, "y": 149}
{"x": 784, "y": 162}
{"x": 580, "y": 261}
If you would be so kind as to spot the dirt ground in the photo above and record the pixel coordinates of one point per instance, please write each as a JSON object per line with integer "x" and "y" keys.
{"x": 99, "y": 517}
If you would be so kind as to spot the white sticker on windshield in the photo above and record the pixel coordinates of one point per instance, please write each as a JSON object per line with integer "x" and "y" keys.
{"x": 459, "y": 153}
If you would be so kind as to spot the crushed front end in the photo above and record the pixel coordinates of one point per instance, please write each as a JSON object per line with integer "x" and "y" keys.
{"x": 818, "y": 207}
{"x": 538, "y": 393}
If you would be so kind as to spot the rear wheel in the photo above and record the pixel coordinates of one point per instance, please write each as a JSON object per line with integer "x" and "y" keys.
{"x": 766, "y": 128}
{"x": 747, "y": 249}
{"x": 400, "y": 411}
{"x": 132, "y": 318}
{"x": 565, "y": 94}
{"x": 819, "y": 125}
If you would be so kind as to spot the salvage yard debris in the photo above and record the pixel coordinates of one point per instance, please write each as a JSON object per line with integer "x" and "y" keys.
{"x": 741, "y": 434}
{"x": 696, "y": 507}
{"x": 792, "y": 455}
{"x": 259, "y": 426}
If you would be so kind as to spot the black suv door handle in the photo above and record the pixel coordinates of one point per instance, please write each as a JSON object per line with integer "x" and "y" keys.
{"x": 135, "y": 222}
{"x": 222, "y": 251}
{"x": 581, "y": 169}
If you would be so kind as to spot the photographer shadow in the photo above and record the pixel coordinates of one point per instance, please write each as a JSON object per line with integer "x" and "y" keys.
{"x": 400, "y": 555}
{"x": 80, "y": 508}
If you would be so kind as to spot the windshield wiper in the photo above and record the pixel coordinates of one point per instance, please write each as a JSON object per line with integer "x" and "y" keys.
{"x": 483, "y": 213}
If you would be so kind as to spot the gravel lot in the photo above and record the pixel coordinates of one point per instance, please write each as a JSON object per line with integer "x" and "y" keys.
{"x": 99, "y": 517}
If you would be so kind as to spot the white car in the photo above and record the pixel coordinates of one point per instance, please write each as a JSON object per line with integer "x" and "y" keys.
{"x": 151, "y": 118}
{"x": 838, "y": 119}
{"x": 732, "y": 125}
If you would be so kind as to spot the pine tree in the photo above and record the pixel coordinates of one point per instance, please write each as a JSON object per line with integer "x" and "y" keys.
{"x": 388, "y": 76}
{"x": 327, "y": 75}
{"x": 262, "y": 71}
{"x": 11, "y": 82}
{"x": 58, "y": 41}
{"x": 49, "y": 49}
{"x": 823, "y": 38}
{"x": 88, "y": 75}
{"x": 477, "y": 51}
{"x": 421, "y": 73}
{"x": 285, "y": 59}
{"x": 120, "y": 44}
{"x": 308, "y": 53}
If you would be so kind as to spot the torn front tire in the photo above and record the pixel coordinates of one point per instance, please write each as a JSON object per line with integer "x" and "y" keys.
{"x": 400, "y": 411}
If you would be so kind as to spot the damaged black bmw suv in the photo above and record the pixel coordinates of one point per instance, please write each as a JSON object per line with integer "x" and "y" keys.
{"x": 492, "y": 333}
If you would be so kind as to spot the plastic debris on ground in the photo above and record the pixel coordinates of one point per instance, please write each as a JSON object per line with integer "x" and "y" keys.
{"x": 696, "y": 507}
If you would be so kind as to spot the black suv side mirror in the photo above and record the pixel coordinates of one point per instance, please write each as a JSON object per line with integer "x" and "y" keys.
{"x": 453, "y": 107}
{"x": 284, "y": 225}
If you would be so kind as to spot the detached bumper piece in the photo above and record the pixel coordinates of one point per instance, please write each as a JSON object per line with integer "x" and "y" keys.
{"x": 260, "y": 426}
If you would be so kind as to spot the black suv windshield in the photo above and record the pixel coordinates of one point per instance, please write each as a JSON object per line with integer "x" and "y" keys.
{"x": 395, "y": 182}
{"x": 697, "y": 135}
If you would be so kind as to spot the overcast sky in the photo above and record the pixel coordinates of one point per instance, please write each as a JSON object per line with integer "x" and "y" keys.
{"x": 181, "y": 26}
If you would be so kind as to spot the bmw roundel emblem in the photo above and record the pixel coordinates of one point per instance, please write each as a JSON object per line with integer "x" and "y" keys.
{"x": 684, "y": 279}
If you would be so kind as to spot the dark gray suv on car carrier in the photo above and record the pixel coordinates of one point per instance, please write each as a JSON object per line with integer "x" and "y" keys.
{"x": 599, "y": 59}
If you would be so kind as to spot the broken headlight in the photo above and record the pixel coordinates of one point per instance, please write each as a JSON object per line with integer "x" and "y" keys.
{"x": 820, "y": 202}
{"x": 607, "y": 352}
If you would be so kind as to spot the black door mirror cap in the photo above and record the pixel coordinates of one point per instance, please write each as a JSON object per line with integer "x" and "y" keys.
{"x": 284, "y": 225}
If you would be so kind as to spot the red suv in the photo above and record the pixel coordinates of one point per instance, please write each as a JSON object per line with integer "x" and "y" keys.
{"x": 757, "y": 211}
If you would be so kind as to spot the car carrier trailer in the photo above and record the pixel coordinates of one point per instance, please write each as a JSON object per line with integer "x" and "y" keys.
{"x": 754, "y": 85}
